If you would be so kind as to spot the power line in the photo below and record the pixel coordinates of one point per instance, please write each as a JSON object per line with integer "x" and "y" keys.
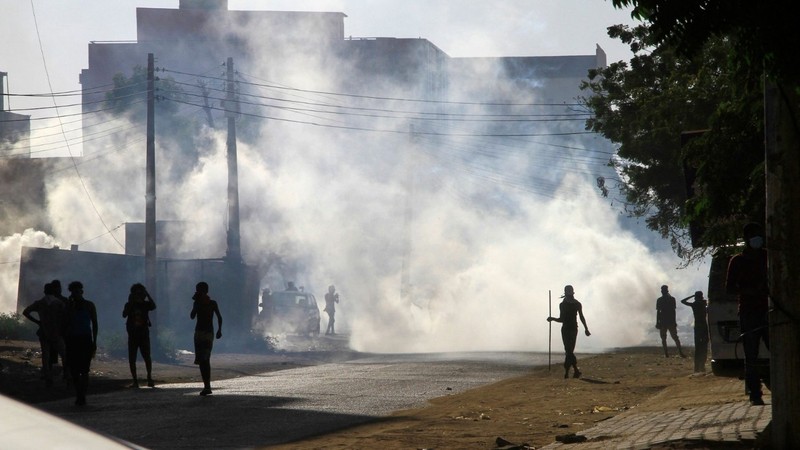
{"x": 50, "y": 85}
{"x": 370, "y": 97}
{"x": 72, "y": 93}
{"x": 82, "y": 104}
{"x": 435, "y": 115}
{"x": 355, "y": 128}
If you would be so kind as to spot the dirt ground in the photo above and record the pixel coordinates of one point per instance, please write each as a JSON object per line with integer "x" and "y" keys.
{"x": 532, "y": 409}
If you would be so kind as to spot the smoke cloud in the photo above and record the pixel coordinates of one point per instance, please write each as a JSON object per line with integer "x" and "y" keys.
{"x": 9, "y": 263}
{"x": 490, "y": 244}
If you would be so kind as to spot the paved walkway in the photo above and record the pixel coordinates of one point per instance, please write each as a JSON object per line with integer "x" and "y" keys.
{"x": 733, "y": 423}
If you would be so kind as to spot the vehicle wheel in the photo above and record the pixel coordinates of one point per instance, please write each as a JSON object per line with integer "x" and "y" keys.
{"x": 716, "y": 368}
{"x": 727, "y": 368}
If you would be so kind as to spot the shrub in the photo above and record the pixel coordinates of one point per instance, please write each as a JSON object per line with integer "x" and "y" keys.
{"x": 16, "y": 327}
{"x": 166, "y": 349}
{"x": 114, "y": 344}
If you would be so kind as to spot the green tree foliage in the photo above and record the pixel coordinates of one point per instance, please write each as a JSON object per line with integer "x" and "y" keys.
{"x": 643, "y": 106}
{"x": 763, "y": 33}
{"x": 177, "y": 126}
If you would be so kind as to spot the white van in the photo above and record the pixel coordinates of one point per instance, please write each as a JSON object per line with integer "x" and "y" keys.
{"x": 727, "y": 353}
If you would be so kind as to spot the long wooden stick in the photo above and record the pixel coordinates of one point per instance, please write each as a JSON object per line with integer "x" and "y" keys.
{"x": 550, "y": 325}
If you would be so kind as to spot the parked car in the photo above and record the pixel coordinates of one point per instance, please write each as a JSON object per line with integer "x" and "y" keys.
{"x": 290, "y": 312}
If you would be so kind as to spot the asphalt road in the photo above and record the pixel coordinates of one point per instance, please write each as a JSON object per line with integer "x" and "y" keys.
{"x": 284, "y": 406}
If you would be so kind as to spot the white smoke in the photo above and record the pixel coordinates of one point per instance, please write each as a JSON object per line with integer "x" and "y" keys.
{"x": 10, "y": 250}
{"x": 483, "y": 253}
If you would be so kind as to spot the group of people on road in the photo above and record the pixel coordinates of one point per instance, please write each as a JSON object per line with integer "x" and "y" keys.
{"x": 746, "y": 277}
{"x": 68, "y": 328}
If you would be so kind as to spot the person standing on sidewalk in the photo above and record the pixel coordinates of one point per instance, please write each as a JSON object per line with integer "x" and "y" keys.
{"x": 569, "y": 310}
{"x": 700, "y": 310}
{"x": 665, "y": 320}
{"x": 137, "y": 310}
{"x": 204, "y": 309}
{"x": 81, "y": 339}
{"x": 747, "y": 277}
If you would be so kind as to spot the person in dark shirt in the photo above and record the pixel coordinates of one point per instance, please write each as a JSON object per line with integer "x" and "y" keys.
{"x": 204, "y": 310}
{"x": 81, "y": 339}
{"x": 700, "y": 310}
{"x": 665, "y": 320}
{"x": 331, "y": 299}
{"x": 747, "y": 278}
{"x": 136, "y": 311}
{"x": 51, "y": 313}
{"x": 569, "y": 310}
{"x": 55, "y": 285}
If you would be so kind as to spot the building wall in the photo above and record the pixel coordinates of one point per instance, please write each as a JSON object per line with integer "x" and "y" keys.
{"x": 107, "y": 279}
{"x": 23, "y": 194}
{"x": 15, "y": 133}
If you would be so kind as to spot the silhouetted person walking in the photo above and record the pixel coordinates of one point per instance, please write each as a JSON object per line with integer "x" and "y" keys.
{"x": 51, "y": 314}
{"x": 55, "y": 285}
{"x": 137, "y": 311}
{"x": 569, "y": 310}
{"x": 204, "y": 309}
{"x": 747, "y": 277}
{"x": 665, "y": 320}
{"x": 700, "y": 310}
{"x": 331, "y": 299}
{"x": 81, "y": 339}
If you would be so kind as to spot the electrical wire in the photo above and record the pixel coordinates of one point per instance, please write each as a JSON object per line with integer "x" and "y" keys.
{"x": 50, "y": 85}
{"x": 370, "y": 97}
{"x": 356, "y": 128}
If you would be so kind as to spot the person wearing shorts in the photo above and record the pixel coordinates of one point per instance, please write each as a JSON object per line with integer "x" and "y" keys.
{"x": 204, "y": 310}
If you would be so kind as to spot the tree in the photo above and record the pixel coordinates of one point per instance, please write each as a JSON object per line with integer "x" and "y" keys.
{"x": 175, "y": 128}
{"x": 644, "y": 108}
{"x": 765, "y": 38}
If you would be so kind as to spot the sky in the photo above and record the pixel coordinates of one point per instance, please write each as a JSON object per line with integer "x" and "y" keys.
{"x": 460, "y": 28}
{"x": 489, "y": 260}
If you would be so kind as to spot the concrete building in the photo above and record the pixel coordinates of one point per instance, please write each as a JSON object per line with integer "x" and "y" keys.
{"x": 197, "y": 38}
{"x": 15, "y": 129}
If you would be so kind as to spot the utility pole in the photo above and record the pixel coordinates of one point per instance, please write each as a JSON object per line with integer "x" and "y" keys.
{"x": 235, "y": 269}
{"x": 408, "y": 216}
{"x": 783, "y": 244}
{"x": 150, "y": 264}
{"x": 234, "y": 252}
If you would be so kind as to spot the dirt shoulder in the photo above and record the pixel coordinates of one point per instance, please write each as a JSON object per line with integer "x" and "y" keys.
{"x": 532, "y": 409}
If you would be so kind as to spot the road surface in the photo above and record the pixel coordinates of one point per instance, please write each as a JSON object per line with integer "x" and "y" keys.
{"x": 287, "y": 405}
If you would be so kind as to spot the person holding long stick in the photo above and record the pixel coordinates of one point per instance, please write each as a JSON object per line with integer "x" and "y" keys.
{"x": 550, "y": 328}
{"x": 569, "y": 311}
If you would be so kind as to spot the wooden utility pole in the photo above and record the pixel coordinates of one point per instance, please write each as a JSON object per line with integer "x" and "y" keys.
{"x": 408, "y": 217}
{"x": 150, "y": 264}
{"x": 234, "y": 266}
{"x": 783, "y": 244}
{"x": 234, "y": 252}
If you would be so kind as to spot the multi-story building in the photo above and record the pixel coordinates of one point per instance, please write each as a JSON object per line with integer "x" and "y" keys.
{"x": 308, "y": 56}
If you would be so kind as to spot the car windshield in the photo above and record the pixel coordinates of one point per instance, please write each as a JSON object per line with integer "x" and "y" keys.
{"x": 291, "y": 299}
